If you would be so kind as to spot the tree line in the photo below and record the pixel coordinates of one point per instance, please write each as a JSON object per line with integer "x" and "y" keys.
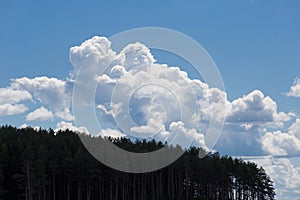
{"x": 47, "y": 165}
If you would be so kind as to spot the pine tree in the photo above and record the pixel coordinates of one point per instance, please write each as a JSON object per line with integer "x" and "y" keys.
{"x": 46, "y": 165}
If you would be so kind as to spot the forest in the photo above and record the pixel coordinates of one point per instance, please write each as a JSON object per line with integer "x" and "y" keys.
{"x": 47, "y": 165}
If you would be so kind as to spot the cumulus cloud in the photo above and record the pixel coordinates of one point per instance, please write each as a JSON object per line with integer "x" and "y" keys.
{"x": 184, "y": 137}
{"x": 28, "y": 126}
{"x": 283, "y": 172}
{"x": 294, "y": 129}
{"x": 118, "y": 71}
{"x": 48, "y": 91}
{"x": 144, "y": 98}
{"x": 10, "y": 95}
{"x": 132, "y": 84}
{"x": 10, "y": 101}
{"x": 40, "y": 114}
{"x": 240, "y": 140}
{"x": 279, "y": 143}
{"x": 159, "y": 95}
{"x": 134, "y": 55}
{"x": 155, "y": 122}
{"x": 169, "y": 88}
{"x": 12, "y": 109}
{"x": 97, "y": 47}
{"x": 282, "y": 143}
{"x": 52, "y": 92}
{"x": 69, "y": 126}
{"x": 111, "y": 133}
{"x": 255, "y": 107}
{"x": 246, "y": 129}
{"x": 136, "y": 96}
{"x": 295, "y": 89}
{"x": 140, "y": 97}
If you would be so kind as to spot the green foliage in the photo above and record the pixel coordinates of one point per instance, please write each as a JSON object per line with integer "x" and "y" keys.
{"x": 43, "y": 165}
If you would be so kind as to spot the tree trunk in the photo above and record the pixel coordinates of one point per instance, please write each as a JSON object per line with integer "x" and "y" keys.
{"x": 53, "y": 186}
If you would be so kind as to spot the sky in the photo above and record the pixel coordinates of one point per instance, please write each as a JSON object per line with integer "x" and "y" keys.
{"x": 255, "y": 45}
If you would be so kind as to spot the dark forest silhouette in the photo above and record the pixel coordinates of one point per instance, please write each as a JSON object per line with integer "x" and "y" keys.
{"x": 44, "y": 165}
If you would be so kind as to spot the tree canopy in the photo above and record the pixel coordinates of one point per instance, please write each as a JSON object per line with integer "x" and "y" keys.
{"x": 42, "y": 165}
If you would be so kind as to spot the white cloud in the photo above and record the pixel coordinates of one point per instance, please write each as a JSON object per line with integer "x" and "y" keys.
{"x": 104, "y": 79}
{"x": 295, "y": 89}
{"x": 9, "y": 101}
{"x": 156, "y": 118}
{"x": 132, "y": 77}
{"x": 135, "y": 83}
{"x": 185, "y": 137}
{"x": 135, "y": 55}
{"x": 48, "y": 91}
{"x": 279, "y": 143}
{"x": 28, "y": 126}
{"x": 40, "y": 114}
{"x": 256, "y": 108}
{"x": 12, "y": 109}
{"x": 67, "y": 125}
{"x": 295, "y": 128}
{"x": 111, "y": 133}
{"x": 110, "y": 109}
{"x": 284, "y": 174}
{"x": 64, "y": 113}
{"x": 248, "y": 120}
{"x": 168, "y": 89}
{"x": 96, "y": 47}
{"x": 9, "y": 95}
{"x": 118, "y": 71}
{"x": 146, "y": 97}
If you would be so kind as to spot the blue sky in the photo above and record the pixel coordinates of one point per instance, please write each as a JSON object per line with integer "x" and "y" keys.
{"x": 258, "y": 42}
{"x": 255, "y": 44}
